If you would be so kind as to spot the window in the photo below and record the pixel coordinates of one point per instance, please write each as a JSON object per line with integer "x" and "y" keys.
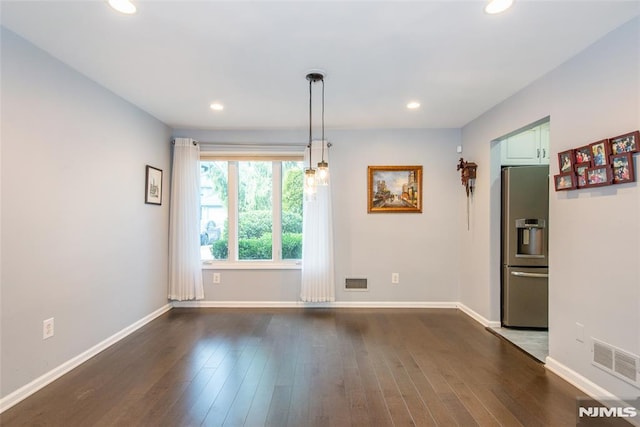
{"x": 214, "y": 203}
{"x": 251, "y": 209}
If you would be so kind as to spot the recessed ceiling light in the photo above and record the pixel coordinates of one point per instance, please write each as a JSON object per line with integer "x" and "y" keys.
{"x": 123, "y": 6}
{"x": 497, "y": 6}
{"x": 216, "y": 106}
{"x": 413, "y": 105}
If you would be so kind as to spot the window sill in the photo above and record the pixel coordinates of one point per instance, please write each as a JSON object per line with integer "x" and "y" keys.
{"x": 251, "y": 265}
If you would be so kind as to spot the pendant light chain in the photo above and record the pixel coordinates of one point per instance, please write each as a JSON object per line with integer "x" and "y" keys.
{"x": 310, "y": 121}
{"x": 323, "y": 120}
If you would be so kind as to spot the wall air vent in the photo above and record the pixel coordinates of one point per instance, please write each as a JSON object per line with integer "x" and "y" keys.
{"x": 603, "y": 355}
{"x": 626, "y": 365}
{"x": 351, "y": 284}
{"x": 618, "y": 362}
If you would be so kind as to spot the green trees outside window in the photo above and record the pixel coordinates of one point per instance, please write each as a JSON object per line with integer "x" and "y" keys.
{"x": 256, "y": 212}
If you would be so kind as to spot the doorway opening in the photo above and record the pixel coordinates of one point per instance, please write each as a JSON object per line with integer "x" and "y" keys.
{"x": 522, "y": 208}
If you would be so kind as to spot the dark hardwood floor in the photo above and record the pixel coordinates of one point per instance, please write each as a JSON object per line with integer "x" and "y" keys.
{"x": 297, "y": 367}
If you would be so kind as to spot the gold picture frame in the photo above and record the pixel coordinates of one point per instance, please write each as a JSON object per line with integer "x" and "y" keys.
{"x": 394, "y": 189}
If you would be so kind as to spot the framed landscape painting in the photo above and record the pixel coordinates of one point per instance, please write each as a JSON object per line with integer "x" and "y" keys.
{"x": 394, "y": 189}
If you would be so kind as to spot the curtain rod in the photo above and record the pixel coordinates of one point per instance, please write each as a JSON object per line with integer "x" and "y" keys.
{"x": 252, "y": 144}
{"x": 244, "y": 147}
{"x": 173, "y": 142}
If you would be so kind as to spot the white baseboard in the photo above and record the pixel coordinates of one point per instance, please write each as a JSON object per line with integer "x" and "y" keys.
{"x": 577, "y": 380}
{"x": 478, "y": 318}
{"x": 590, "y": 388}
{"x": 300, "y": 304}
{"x": 27, "y": 390}
{"x": 338, "y": 304}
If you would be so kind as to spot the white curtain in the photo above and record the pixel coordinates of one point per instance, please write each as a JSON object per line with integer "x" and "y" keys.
{"x": 318, "y": 284}
{"x": 185, "y": 271}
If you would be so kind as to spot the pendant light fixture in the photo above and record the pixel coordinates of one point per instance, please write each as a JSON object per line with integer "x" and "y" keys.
{"x": 323, "y": 166}
{"x": 311, "y": 178}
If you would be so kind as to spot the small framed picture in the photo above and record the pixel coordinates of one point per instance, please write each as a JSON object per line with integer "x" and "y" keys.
{"x": 394, "y": 189}
{"x": 627, "y": 143}
{"x": 581, "y": 173}
{"x": 566, "y": 160}
{"x": 622, "y": 166}
{"x": 600, "y": 152}
{"x": 598, "y": 176}
{"x": 565, "y": 181}
{"x": 583, "y": 154}
{"x": 153, "y": 186}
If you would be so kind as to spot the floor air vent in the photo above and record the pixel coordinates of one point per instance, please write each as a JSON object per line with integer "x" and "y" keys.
{"x": 617, "y": 362}
{"x": 355, "y": 284}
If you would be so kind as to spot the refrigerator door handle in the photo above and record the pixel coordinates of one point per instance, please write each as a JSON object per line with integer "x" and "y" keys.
{"x": 522, "y": 274}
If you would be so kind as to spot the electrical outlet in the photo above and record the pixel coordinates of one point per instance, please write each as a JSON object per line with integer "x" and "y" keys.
{"x": 216, "y": 278}
{"x": 395, "y": 278}
{"x": 579, "y": 332}
{"x": 47, "y": 328}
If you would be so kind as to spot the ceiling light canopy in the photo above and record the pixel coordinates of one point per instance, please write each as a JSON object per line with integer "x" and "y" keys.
{"x": 497, "y": 6}
{"x": 123, "y": 6}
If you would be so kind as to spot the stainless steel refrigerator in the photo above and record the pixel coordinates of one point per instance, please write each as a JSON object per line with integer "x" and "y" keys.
{"x": 525, "y": 225}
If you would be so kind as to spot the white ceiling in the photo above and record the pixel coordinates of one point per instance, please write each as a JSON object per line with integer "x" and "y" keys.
{"x": 173, "y": 58}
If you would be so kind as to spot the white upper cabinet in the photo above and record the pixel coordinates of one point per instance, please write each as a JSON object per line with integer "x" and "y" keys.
{"x": 544, "y": 143}
{"x": 530, "y": 147}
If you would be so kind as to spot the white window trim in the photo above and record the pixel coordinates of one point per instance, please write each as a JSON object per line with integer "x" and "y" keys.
{"x": 264, "y": 154}
{"x": 251, "y": 265}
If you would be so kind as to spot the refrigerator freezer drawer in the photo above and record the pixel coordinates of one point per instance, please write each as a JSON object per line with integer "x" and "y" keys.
{"x": 525, "y": 296}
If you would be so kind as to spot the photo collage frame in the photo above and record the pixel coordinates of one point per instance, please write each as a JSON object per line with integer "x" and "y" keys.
{"x": 605, "y": 162}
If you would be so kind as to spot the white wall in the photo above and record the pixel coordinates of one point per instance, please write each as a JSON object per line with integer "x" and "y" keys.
{"x": 480, "y": 245}
{"x": 423, "y": 248}
{"x": 78, "y": 242}
{"x": 594, "y": 233}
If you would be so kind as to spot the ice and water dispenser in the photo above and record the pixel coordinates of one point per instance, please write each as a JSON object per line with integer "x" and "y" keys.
{"x": 530, "y": 235}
